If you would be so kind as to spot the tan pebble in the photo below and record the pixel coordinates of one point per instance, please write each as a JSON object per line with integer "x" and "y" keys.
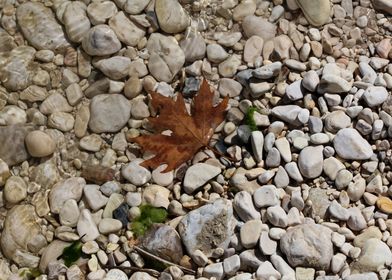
{"x": 39, "y": 144}
{"x": 4, "y": 172}
{"x": 385, "y": 204}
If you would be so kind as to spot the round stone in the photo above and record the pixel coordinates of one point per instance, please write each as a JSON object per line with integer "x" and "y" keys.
{"x": 15, "y": 190}
{"x": 101, "y": 40}
{"x": 39, "y": 144}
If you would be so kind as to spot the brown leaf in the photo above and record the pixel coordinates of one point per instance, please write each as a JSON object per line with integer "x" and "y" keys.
{"x": 189, "y": 133}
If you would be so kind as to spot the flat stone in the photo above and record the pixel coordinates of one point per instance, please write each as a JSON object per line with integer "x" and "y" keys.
{"x": 198, "y": 175}
{"x": 349, "y": 144}
{"x": 250, "y": 233}
{"x": 20, "y": 228}
{"x": 277, "y": 216}
{"x": 95, "y": 199}
{"x": 207, "y": 227}
{"x": 108, "y": 225}
{"x": 253, "y": 25}
{"x": 126, "y": 30}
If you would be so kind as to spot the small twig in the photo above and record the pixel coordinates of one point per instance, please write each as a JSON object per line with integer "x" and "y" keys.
{"x": 153, "y": 272}
{"x": 148, "y": 254}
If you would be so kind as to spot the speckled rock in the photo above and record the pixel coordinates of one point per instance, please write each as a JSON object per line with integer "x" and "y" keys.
{"x": 207, "y": 227}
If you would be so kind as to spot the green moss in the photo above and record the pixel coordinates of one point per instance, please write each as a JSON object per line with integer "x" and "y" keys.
{"x": 148, "y": 216}
{"x": 72, "y": 253}
{"x": 249, "y": 118}
{"x": 30, "y": 273}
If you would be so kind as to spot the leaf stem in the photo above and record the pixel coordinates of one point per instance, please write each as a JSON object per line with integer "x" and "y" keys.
{"x": 153, "y": 272}
{"x": 148, "y": 254}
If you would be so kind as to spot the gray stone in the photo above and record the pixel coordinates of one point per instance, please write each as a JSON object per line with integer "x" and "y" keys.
{"x": 207, "y": 227}
{"x": 253, "y": 25}
{"x": 349, "y": 144}
{"x": 308, "y": 245}
{"x": 135, "y": 173}
{"x": 40, "y": 27}
{"x": 310, "y": 161}
{"x": 375, "y": 96}
{"x": 101, "y": 40}
{"x": 163, "y": 241}
{"x": 243, "y": 206}
{"x": 198, "y": 175}
{"x": 109, "y": 113}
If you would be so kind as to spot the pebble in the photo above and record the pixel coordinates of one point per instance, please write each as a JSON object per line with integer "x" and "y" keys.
{"x": 349, "y": 144}
{"x": 15, "y": 190}
{"x": 375, "y": 96}
{"x": 108, "y": 225}
{"x": 94, "y": 198}
{"x": 310, "y": 161}
{"x": 126, "y": 30}
{"x": 267, "y": 271}
{"x": 196, "y": 227}
{"x": 71, "y": 188}
{"x": 135, "y": 173}
{"x": 109, "y": 113}
{"x": 116, "y": 274}
{"x": 277, "y": 216}
{"x": 39, "y": 144}
{"x": 374, "y": 255}
{"x": 171, "y": 16}
{"x": 253, "y": 25}
{"x": 198, "y": 175}
{"x": 86, "y": 226}
{"x": 317, "y": 13}
{"x": 243, "y": 206}
{"x": 313, "y": 246}
{"x": 40, "y": 27}
{"x": 216, "y": 53}
{"x": 250, "y": 233}
{"x": 69, "y": 213}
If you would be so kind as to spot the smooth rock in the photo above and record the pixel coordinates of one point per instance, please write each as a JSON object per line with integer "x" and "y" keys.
{"x": 316, "y": 12}
{"x": 310, "y": 161}
{"x": 374, "y": 255}
{"x": 127, "y": 32}
{"x": 108, "y": 225}
{"x": 40, "y": 27}
{"x": 39, "y": 144}
{"x": 101, "y": 40}
{"x": 135, "y": 173}
{"x": 109, "y": 113}
{"x": 86, "y": 226}
{"x": 171, "y": 16}
{"x": 166, "y": 57}
{"x": 349, "y": 144}
{"x": 198, "y": 175}
{"x": 19, "y": 230}
{"x": 308, "y": 245}
{"x": 253, "y": 25}
{"x": 375, "y": 96}
{"x": 71, "y": 188}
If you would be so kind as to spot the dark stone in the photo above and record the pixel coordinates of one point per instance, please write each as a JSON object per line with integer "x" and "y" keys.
{"x": 121, "y": 214}
{"x": 163, "y": 241}
{"x": 191, "y": 87}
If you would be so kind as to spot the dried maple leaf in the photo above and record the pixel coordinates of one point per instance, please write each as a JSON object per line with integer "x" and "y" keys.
{"x": 189, "y": 133}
